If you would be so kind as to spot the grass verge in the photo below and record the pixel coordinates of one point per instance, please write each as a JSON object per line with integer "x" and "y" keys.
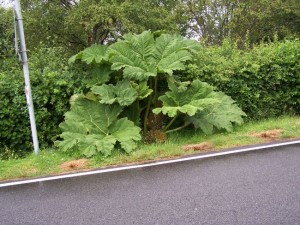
{"x": 51, "y": 162}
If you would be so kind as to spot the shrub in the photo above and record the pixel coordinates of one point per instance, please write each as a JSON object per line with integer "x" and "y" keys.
{"x": 127, "y": 88}
{"x": 52, "y": 85}
{"x": 265, "y": 80}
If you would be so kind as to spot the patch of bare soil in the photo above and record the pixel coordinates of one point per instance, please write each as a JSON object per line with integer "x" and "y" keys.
{"x": 269, "y": 134}
{"x": 198, "y": 147}
{"x": 74, "y": 165}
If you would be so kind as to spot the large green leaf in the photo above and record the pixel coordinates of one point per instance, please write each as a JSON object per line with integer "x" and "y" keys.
{"x": 122, "y": 93}
{"x": 142, "y": 56}
{"x": 75, "y": 57}
{"x": 99, "y": 74}
{"x": 141, "y": 44}
{"x": 189, "y": 100}
{"x": 172, "y": 51}
{"x": 122, "y": 131}
{"x": 202, "y": 106}
{"x": 93, "y": 127}
{"x": 143, "y": 91}
{"x": 133, "y": 113}
{"x": 95, "y": 53}
{"x": 220, "y": 116}
{"x": 132, "y": 54}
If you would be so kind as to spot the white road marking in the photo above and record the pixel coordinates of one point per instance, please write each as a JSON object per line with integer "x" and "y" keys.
{"x": 147, "y": 165}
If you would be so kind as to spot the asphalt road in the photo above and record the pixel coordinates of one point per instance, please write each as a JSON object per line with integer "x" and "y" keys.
{"x": 258, "y": 187}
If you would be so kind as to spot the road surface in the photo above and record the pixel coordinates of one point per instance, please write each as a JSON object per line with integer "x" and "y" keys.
{"x": 257, "y": 187}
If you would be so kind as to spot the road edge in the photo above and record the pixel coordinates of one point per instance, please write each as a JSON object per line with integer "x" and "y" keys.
{"x": 155, "y": 163}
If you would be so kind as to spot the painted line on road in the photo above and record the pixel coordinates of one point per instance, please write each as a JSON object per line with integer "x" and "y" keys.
{"x": 148, "y": 165}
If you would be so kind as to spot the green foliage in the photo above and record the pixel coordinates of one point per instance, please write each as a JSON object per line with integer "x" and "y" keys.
{"x": 142, "y": 56}
{"x": 140, "y": 63}
{"x": 6, "y": 33}
{"x": 142, "y": 59}
{"x": 142, "y": 89}
{"x": 98, "y": 121}
{"x": 220, "y": 116}
{"x": 93, "y": 127}
{"x": 206, "y": 19}
{"x": 96, "y": 75}
{"x": 52, "y": 85}
{"x": 123, "y": 93}
{"x": 95, "y": 53}
{"x": 97, "y": 66}
{"x": 203, "y": 107}
{"x": 75, "y": 25}
{"x": 264, "y": 81}
{"x": 260, "y": 20}
{"x": 171, "y": 53}
{"x": 134, "y": 54}
{"x": 192, "y": 99}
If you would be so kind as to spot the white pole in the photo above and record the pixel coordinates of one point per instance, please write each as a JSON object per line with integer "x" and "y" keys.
{"x": 23, "y": 52}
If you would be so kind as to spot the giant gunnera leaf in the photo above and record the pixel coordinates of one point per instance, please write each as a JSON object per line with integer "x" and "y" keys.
{"x": 99, "y": 67}
{"x": 142, "y": 56}
{"x": 98, "y": 74}
{"x": 186, "y": 99}
{"x": 203, "y": 107}
{"x": 219, "y": 116}
{"x": 122, "y": 93}
{"x": 132, "y": 55}
{"x": 95, "y": 53}
{"x": 92, "y": 127}
{"x": 171, "y": 52}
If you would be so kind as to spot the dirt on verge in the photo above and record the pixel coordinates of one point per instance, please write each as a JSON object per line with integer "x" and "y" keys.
{"x": 269, "y": 134}
{"x": 198, "y": 147}
{"x": 74, "y": 164}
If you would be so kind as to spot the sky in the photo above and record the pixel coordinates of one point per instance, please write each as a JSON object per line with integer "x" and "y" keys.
{"x": 6, "y": 3}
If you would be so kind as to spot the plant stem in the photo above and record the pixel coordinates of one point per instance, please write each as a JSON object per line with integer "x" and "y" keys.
{"x": 178, "y": 128}
{"x": 170, "y": 123}
{"x": 148, "y": 109}
{"x": 147, "y": 113}
{"x": 155, "y": 90}
{"x": 138, "y": 107}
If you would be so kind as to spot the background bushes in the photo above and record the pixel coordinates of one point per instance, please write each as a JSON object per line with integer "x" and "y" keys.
{"x": 52, "y": 85}
{"x": 265, "y": 80}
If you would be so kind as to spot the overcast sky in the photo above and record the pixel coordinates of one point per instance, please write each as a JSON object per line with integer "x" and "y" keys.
{"x": 6, "y": 3}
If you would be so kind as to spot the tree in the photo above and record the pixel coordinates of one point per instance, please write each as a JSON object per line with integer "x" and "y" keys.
{"x": 6, "y": 32}
{"x": 78, "y": 24}
{"x": 207, "y": 19}
{"x": 260, "y": 20}
{"x": 254, "y": 21}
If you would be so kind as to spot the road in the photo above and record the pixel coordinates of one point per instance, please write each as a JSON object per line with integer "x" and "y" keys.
{"x": 257, "y": 187}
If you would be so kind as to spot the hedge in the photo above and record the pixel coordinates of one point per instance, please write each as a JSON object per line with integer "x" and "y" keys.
{"x": 52, "y": 85}
{"x": 264, "y": 80}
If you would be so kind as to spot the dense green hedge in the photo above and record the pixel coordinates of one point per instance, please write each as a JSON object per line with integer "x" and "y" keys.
{"x": 52, "y": 85}
{"x": 265, "y": 80}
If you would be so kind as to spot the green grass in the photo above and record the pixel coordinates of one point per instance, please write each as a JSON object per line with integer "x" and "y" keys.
{"x": 49, "y": 161}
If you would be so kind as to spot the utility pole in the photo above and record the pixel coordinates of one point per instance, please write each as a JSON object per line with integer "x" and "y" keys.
{"x": 23, "y": 54}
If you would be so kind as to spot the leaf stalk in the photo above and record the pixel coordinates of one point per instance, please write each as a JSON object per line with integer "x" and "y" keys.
{"x": 170, "y": 123}
{"x": 178, "y": 128}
